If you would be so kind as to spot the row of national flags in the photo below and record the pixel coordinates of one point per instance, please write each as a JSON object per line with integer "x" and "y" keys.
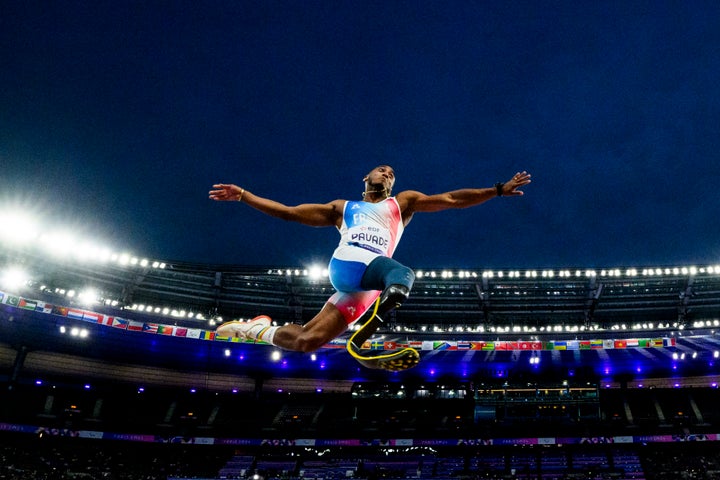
{"x": 425, "y": 345}
{"x": 105, "y": 320}
{"x": 530, "y": 346}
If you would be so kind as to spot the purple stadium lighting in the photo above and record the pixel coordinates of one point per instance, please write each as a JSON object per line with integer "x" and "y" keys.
{"x": 87, "y": 386}
{"x": 38, "y": 382}
{"x": 192, "y": 390}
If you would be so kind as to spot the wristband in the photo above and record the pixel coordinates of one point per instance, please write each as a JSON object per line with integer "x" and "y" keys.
{"x": 499, "y": 188}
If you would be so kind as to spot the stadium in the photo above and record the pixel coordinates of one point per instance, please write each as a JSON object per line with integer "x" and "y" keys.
{"x": 110, "y": 368}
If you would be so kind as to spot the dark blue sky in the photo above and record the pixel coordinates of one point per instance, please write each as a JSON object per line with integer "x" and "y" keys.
{"x": 116, "y": 117}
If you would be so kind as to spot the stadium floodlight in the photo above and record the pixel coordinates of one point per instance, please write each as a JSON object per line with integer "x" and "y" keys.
{"x": 315, "y": 272}
{"x": 89, "y": 296}
{"x": 18, "y": 228}
{"x": 58, "y": 243}
{"x": 13, "y": 278}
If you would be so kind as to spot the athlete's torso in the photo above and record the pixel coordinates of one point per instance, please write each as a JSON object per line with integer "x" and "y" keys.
{"x": 369, "y": 230}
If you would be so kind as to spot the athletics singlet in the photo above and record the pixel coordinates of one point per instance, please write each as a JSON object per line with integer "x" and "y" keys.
{"x": 368, "y": 230}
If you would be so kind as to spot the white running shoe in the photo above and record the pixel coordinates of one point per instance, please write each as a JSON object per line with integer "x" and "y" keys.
{"x": 245, "y": 330}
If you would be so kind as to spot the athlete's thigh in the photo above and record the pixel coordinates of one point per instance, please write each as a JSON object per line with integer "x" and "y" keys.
{"x": 352, "y": 305}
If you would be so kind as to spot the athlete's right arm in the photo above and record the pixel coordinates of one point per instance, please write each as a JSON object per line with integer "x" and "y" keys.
{"x": 313, "y": 214}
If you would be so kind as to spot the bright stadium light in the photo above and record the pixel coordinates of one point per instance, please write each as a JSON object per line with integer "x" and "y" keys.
{"x": 13, "y": 277}
{"x": 315, "y": 272}
{"x": 89, "y": 296}
{"x": 58, "y": 243}
{"x": 17, "y": 228}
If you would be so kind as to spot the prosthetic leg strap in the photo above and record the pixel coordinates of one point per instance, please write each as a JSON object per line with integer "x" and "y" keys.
{"x": 395, "y": 361}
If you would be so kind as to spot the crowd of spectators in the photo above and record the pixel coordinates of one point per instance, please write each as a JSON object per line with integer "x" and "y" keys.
{"x": 24, "y": 457}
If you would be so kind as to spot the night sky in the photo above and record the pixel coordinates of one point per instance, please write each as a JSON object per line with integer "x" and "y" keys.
{"x": 116, "y": 118}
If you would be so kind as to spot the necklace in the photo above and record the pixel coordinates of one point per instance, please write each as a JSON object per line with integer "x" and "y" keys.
{"x": 378, "y": 192}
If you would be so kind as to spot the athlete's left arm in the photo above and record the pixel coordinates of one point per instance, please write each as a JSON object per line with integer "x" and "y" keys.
{"x": 412, "y": 201}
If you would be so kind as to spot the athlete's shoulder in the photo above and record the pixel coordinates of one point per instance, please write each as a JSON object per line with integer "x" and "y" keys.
{"x": 407, "y": 198}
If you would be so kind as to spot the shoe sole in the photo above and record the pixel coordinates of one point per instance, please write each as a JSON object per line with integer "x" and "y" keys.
{"x": 235, "y": 334}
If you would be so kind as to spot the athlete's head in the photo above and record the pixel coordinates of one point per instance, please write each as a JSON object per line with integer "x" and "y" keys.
{"x": 380, "y": 180}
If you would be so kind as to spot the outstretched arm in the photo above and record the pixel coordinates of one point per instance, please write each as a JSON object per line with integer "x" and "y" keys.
{"x": 412, "y": 201}
{"x": 313, "y": 214}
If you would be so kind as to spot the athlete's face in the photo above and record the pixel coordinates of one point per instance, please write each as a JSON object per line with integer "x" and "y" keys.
{"x": 383, "y": 175}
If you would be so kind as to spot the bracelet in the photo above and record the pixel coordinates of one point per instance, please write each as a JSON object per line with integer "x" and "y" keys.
{"x": 242, "y": 192}
{"x": 499, "y": 188}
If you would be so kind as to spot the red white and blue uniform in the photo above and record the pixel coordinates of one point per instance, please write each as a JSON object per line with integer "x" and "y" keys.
{"x": 368, "y": 230}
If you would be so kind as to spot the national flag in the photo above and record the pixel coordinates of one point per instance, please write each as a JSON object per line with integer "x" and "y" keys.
{"x": 668, "y": 342}
{"x": 620, "y": 343}
{"x": 150, "y": 327}
{"x": 572, "y": 345}
{"x": 134, "y": 326}
{"x": 441, "y": 345}
{"x": 501, "y": 346}
{"x": 463, "y": 345}
{"x": 417, "y": 344}
{"x": 75, "y": 313}
{"x": 524, "y": 346}
{"x": 207, "y": 335}
{"x": 644, "y": 343}
{"x": 165, "y": 329}
{"x": 376, "y": 345}
{"x": 596, "y": 344}
{"x": 390, "y": 345}
{"x": 105, "y": 320}
{"x": 632, "y": 342}
{"x": 91, "y": 317}
{"x": 27, "y": 304}
{"x": 559, "y": 345}
{"x": 656, "y": 342}
{"x": 44, "y": 307}
{"x": 536, "y": 346}
{"x": 488, "y": 346}
{"x": 58, "y": 310}
{"x": 180, "y": 332}
{"x": 193, "y": 333}
{"x": 427, "y": 345}
{"x": 585, "y": 345}
{"x": 513, "y": 346}
{"x": 120, "y": 323}
{"x": 608, "y": 344}
{"x": 12, "y": 300}
{"x": 476, "y": 345}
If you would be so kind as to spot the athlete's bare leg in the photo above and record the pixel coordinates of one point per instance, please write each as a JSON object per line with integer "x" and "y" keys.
{"x": 325, "y": 326}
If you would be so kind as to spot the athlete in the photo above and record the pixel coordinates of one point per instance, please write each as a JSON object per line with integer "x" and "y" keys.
{"x": 361, "y": 268}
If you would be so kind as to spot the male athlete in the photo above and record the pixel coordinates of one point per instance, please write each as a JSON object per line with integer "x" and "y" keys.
{"x": 361, "y": 268}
